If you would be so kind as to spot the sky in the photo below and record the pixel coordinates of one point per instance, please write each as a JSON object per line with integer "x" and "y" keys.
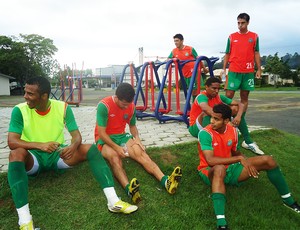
{"x": 99, "y": 33}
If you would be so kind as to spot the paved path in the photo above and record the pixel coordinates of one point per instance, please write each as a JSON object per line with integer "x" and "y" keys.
{"x": 151, "y": 132}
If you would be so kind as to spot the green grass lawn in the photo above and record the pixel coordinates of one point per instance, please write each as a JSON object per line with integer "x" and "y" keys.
{"x": 75, "y": 201}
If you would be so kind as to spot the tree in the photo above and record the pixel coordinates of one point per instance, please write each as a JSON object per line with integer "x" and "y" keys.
{"x": 26, "y": 56}
{"x": 279, "y": 67}
{"x": 40, "y": 51}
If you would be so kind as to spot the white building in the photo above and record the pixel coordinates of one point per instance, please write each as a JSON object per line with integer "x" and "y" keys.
{"x": 4, "y": 84}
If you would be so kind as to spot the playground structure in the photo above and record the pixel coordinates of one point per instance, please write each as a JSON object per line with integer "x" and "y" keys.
{"x": 160, "y": 88}
{"x": 159, "y": 103}
{"x": 68, "y": 88}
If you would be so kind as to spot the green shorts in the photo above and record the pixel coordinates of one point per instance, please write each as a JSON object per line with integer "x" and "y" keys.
{"x": 117, "y": 138}
{"x": 242, "y": 81}
{"x": 195, "y": 86}
{"x": 233, "y": 173}
{"x": 188, "y": 81}
{"x": 47, "y": 161}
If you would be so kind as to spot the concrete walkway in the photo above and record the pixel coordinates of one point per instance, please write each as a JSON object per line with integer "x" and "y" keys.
{"x": 151, "y": 132}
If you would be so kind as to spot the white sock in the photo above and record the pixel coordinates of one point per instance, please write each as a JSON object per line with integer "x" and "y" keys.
{"x": 111, "y": 195}
{"x": 24, "y": 214}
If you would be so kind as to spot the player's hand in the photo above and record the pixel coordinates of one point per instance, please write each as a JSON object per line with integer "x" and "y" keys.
{"x": 236, "y": 121}
{"x": 258, "y": 74}
{"x": 67, "y": 152}
{"x": 122, "y": 152}
{"x": 205, "y": 70}
{"x": 48, "y": 147}
{"x": 223, "y": 75}
{"x": 250, "y": 168}
{"x": 139, "y": 143}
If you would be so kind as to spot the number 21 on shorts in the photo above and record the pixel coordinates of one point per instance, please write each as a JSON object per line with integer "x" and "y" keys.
{"x": 251, "y": 82}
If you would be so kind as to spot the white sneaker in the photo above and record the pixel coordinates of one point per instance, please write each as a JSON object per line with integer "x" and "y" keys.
{"x": 253, "y": 147}
{"x": 122, "y": 207}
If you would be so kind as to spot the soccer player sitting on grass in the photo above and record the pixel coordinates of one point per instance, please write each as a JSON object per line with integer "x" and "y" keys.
{"x": 222, "y": 163}
{"x": 202, "y": 108}
{"x": 113, "y": 113}
{"x": 36, "y": 140}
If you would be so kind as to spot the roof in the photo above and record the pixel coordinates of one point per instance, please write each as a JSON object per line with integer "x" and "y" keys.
{"x": 6, "y": 76}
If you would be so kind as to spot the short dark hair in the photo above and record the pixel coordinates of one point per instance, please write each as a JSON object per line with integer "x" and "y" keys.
{"x": 211, "y": 80}
{"x": 244, "y": 16}
{"x": 125, "y": 91}
{"x": 179, "y": 36}
{"x": 224, "y": 109}
{"x": 43, "y": 84}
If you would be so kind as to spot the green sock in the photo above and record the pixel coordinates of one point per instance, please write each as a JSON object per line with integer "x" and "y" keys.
{"x": 277, "y": 179}
{"x": 163, "y": 181}
{"x": 127, "y": 189}
{"x": 219, "y": 201}
{"x": 99, "y": 168}
{"x": 243, "y": 127}
{"x": 18, "y": 182}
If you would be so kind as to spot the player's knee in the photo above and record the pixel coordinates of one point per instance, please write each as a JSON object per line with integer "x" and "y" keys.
{"x": 269, "y": 160}
{"x": 136, "y": 150}
{"x": 115, "y": 160}
{"x": 18, "y": 154}
{"x": 219, "y": 171}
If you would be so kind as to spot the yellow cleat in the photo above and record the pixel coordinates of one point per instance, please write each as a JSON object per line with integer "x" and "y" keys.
{"x": 134, "y": 191}
{"x": 173, "y": 180}
{"x": 122, "y": 207}
{"x": 28, "y": 226}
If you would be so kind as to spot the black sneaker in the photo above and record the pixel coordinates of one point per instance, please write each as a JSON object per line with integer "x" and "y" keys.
{"x": 295, "y": 207}
{"x": 225, "y": 227}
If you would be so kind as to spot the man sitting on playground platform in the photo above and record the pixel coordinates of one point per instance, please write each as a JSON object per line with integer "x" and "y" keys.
{"x": 113, "y": 113}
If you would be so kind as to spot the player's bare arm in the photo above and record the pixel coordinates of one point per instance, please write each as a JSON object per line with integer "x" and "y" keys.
{"x": 14, "y": 141}
{"x": 213, "y": 160}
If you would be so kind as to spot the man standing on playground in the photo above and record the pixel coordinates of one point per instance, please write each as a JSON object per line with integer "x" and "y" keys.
{"x": 185, "y": 53}
{"x": 36, "y": 140}
{"x": 201, "y": 110}
{"x": 113, "y": 113}
{"x": 222, "y": 163}
{"x": 242, "y": 51}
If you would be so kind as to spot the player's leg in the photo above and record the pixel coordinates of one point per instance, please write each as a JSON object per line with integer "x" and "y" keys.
{"x": 19, "y": 161}
{"x": 216, "y": 175}
{"x": 232, "y": 84}
{"x": 195, "y": 128}
{"x": 247, "y": 85}
{"x": 137, "y": 153}
{"x": 116, "y": 164}
{"x": 268, "y": 164}
{"x": 103, "y": 175}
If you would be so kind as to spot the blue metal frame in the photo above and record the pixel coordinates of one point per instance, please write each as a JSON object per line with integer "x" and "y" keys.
{"x": 139, "y": 90}
{"x": 184, "y": 117}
